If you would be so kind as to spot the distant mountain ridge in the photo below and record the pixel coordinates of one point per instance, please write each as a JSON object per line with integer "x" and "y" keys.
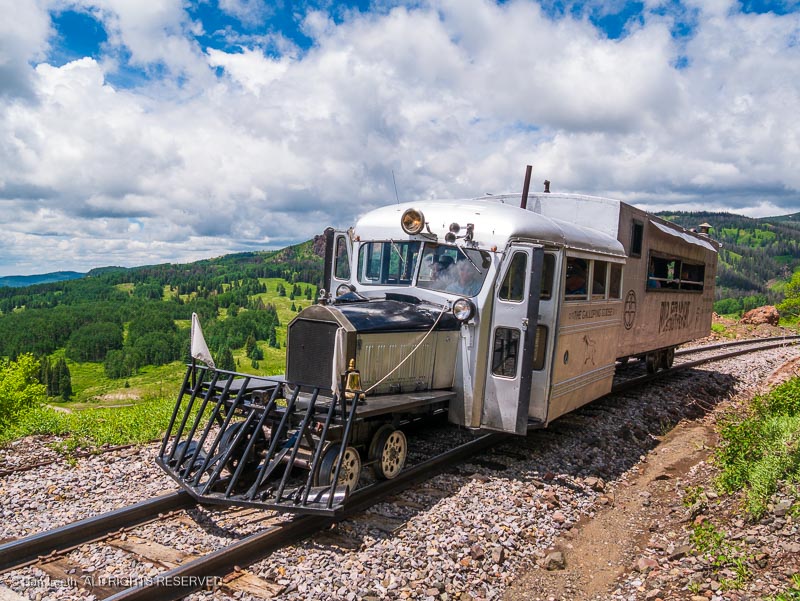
{"x": 20, "y": 281}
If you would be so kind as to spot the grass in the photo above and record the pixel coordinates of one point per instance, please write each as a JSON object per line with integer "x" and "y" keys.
{"x": 93, "y": 428}
{"x": 790, "y": 594}
{"x": 713, "y": 545}
{"x": 91, "y": 387}
{"x": 720, "y": 329}
{"x": 762, "y": 448}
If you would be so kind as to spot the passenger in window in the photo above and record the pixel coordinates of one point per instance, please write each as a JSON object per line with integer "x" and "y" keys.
{"x": 440, "y": 270}
{"x": 689, "y": 280}
{"x": 467, "y": 279}
{"x": 652, "y": 282}
{"x": 576, "y": 277}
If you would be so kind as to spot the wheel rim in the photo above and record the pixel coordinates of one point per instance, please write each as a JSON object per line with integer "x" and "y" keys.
{"x": 351, "y": 468}
{"x": 393, "y": 455}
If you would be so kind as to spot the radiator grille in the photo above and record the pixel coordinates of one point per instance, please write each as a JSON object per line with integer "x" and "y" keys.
{"x": 309, "y": 356}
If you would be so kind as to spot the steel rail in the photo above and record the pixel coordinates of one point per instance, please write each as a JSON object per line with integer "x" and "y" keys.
{"x": 635, "y": 382}
{"x": 700, "y": 349}
{"x": 26, "y": 550}
{"x": 192, "y": 576}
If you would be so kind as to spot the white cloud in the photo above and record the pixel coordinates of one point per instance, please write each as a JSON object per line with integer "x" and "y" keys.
{"x": 23, "y": 37}
{"x": 455, "y": 98}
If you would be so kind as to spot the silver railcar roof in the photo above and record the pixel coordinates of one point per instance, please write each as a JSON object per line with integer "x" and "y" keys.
{"x": 495, "y": 224}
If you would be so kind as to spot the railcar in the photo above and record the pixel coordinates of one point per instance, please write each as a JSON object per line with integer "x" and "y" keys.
{"x": 502, "y": 312}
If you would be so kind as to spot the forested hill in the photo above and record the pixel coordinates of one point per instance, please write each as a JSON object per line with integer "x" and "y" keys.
{"x": 88, "y": 315}
{"x": 18, "y": 281}
{"x": 757, "y": 255}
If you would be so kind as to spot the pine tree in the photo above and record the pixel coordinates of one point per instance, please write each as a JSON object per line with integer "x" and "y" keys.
{"x": 64, "y": 379}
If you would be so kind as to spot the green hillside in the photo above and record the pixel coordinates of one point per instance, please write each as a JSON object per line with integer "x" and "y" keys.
{"x": 124, "y": 332}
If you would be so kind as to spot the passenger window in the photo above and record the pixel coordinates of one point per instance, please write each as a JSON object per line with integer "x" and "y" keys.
{"x": 692, "y": 276}
{"x": 548, "y": 270}
{"x": 513, "y": 287}
{"x": 504, "y": 354}
{"x": 539, "y": 347}
{"x": 615, "y": 281}
{"x": 599, "y": 279}
{"x": 668, "y": 273}
{"x": 342, "y": 266}
{"x": 575, "y": 282}
{"x": 637, "y": 234}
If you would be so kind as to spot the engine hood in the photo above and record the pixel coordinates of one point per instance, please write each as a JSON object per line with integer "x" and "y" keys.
{"x": 382, "y": 316}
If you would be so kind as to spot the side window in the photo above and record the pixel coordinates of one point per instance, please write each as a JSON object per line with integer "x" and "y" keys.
{"x": 637, "y": 234}
{"x": 663, "y": 273}
{"x": 575, "y": 283}
{"x": 505, "y": 352}
{"x": 513, "y": 286}
{"x": 548, "y": 271}
{"x": 342, "y": 263}
{"x": 692, "y": 276}
{"x": 615, "y": 281}
{"x": 599, "y": 279}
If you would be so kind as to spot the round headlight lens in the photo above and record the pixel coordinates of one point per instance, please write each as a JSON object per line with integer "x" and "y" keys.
{"x": 463, "y": 309}
{"x": 412, "y": 221}
{"x": 343, "y": 289}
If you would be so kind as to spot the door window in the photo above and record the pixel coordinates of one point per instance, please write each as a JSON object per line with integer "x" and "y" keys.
{"x": 505, "y": 352}
{"x": 342, "y": 264}
{"x": 513, "y": 286}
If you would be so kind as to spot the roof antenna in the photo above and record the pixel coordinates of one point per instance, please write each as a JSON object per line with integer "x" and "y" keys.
{"x": 395, "y": 188}
{"x": 525, "y": 187}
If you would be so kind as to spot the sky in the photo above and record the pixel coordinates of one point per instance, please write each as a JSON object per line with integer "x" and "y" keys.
{"x": 135, "y": 133}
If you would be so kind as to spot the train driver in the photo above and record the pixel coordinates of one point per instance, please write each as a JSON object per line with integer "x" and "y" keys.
{"x": 467, "y": 279}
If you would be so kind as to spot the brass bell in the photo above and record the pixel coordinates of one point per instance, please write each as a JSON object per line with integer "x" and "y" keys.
{"x": 352, "y": 382}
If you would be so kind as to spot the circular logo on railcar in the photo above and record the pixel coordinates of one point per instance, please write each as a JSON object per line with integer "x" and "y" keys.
{"x": 630, "y": 309}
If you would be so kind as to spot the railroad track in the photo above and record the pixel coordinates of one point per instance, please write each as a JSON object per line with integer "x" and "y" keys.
{"x": 218, "y": 566}
{"x": 713, "y": 352}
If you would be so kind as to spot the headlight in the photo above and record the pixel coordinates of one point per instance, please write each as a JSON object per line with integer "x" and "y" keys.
{"x": 343, "y": 289}
{"x": 412, "y": 221}
{"x": 463, "y": 309}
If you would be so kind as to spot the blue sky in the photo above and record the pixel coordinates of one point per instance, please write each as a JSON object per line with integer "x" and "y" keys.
{"x": 137, "y": 133}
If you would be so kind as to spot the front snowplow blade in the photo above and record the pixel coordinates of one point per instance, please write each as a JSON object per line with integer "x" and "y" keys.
{"x": 236, "y": 439}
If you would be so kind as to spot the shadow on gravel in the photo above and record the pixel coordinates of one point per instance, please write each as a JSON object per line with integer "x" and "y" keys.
{"x": 607, "y": 437}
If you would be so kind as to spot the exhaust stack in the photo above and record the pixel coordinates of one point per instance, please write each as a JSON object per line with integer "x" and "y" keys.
{"x": 525, "y": 187}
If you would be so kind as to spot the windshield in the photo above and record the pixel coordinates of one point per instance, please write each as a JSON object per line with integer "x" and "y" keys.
{"x": 387, "y": 263}
{"x": 453, "y": 269}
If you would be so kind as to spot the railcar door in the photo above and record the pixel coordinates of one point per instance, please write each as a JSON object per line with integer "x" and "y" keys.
{"x": 513, "y": 335}
{"x": 338, "y": 250}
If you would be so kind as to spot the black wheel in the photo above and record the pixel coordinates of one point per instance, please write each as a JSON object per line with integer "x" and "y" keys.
{"x": 228, "y": 439}
{"x": 667, "y": 357}
{"x": 388, "y": 450}
{"x": 190, "y": 456}
{"x": 351, "y": 467}
{"x": 652, "y": 361}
